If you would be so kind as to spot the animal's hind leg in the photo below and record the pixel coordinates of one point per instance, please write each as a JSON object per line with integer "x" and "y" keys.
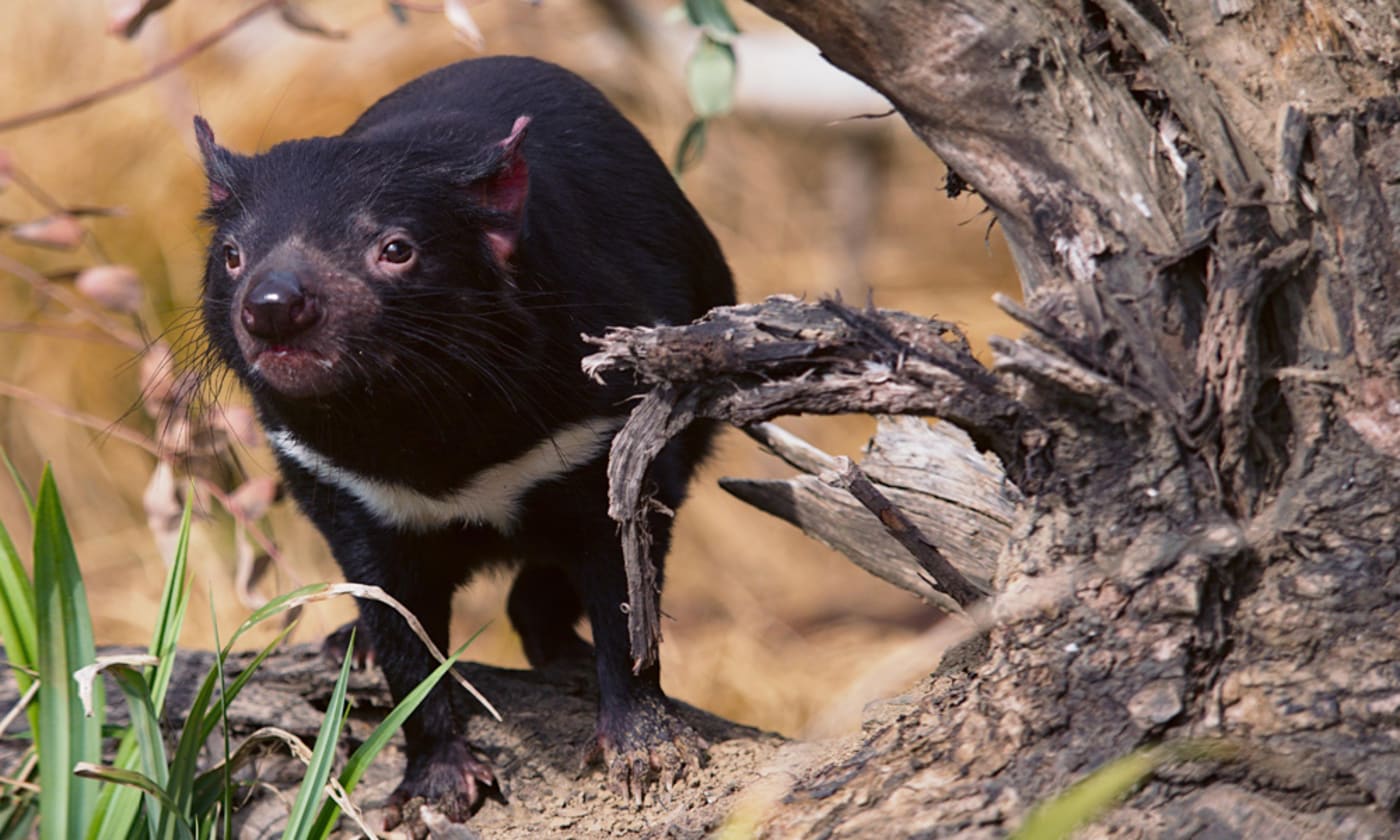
{"x": 544, "y": 608}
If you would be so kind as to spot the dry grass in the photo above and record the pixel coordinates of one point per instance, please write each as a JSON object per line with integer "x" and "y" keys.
{"x": 767, "y": 624}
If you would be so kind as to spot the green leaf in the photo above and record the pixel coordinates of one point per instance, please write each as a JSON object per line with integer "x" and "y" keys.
{"x": 147, "y": 728}
{"x": 134, "y": 780}
{"x": 1090, "y": 797}
{"x": 174, "y": 598}
{"x": 691, "y": 147}
{"x": 66, "y": 735}
{"x": 300, "y": 822}
{"x": 119, "y": 804}
{"x": 709, "y": 78}
{"x": 18, "y": 625}
{"x": 712, "y": 16}
{"x": 19, "y": 806}
{"x": 18, "y": 480}
{"x": 201, "y": 798}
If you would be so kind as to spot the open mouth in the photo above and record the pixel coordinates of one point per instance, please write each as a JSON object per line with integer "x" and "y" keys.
{"x": 295, "y": 371}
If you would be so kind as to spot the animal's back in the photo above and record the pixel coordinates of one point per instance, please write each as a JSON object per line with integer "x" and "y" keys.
{"x": 605, "y": 220}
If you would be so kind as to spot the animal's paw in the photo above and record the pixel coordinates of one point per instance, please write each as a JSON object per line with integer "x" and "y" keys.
{"x": 452, "y": 779}
{"x": 650, "y": 744}
{"x": 338, "y": 642}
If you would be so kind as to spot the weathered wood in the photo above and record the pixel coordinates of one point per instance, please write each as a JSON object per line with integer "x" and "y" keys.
{"x": 934, "y": 566}
{"x": 955, "y": 496}
{"x": 746, "y": 364}
{"x": 1201, "y": 201}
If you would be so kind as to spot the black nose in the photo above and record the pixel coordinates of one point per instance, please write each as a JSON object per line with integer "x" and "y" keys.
{"x": 277, "y": 307}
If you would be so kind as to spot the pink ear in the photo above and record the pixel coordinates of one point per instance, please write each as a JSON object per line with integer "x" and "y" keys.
{"x": 505, "y": 191}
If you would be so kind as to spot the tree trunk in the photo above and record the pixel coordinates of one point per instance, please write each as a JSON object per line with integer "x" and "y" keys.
{"x": 1203, "y": 200}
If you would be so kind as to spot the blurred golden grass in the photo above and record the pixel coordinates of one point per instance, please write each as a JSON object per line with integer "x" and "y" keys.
{"x": 767, "y": 624}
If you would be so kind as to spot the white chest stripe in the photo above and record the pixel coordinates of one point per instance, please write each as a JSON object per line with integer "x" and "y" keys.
{"x": 490, "y": 497}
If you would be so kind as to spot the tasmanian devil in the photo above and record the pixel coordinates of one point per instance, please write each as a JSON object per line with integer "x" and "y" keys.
{"x": 405, "y": 302}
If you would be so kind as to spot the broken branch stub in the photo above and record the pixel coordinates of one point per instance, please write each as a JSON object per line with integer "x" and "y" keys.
{"x": 931, "y": 473}
{"x": 746, "y": 364}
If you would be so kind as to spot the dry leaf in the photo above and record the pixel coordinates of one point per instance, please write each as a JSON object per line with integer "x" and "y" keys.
{"x": 164, "y": 510}
{"x": 297, "y": 18}
{"x": 250, "y": 567}
{"x": 254, "y": 497}
{"x": 60, "y": 231}
{"x": 463, "y": 26}
{"x": 248, "y": 503}
{"x": 126, "y": 17}
{"x": 241, "y": 425}
{"x": 157, "y": 378}
{"x": 115, "y": 287}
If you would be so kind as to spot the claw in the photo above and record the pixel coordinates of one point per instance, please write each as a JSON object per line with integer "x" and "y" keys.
{"x": 453, "y": 780}
{"x": 338, "y": 642}
{"x": 654, "y": 745}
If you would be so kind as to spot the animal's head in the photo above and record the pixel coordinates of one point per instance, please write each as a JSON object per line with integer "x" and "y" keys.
{"x": 338, "y": 263}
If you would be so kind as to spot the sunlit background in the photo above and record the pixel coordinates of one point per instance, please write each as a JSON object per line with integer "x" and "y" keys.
{"x": 806, "y": 196}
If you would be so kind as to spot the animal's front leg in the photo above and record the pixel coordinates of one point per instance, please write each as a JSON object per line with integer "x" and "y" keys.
{"x": 442, "y": 769}
{"x": 640, "y": 736}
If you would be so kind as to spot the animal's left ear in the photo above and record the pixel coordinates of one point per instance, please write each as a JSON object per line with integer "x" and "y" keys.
{"x": 503, "y": 191}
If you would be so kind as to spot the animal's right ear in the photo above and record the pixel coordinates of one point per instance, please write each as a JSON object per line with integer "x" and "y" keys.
{"x": 218, "y": 163}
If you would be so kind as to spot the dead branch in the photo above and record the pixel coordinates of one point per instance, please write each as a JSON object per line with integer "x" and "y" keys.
{"x": 746, "y": 364}
{"x": 940, "y": 572}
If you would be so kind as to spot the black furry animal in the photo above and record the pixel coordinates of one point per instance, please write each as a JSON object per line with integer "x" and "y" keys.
{"x": 405, "y": 303}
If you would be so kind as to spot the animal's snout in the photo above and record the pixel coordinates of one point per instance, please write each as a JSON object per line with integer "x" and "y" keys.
{"x": 278, "y": 307}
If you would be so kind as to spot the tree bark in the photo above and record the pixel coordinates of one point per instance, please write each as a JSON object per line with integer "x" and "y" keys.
{"x": 1204, "y": 207}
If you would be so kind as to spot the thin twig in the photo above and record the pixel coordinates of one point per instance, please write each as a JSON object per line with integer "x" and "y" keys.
{"x": 51, "y": 331}
{"x": 157, "y": 70}
{"x": 92, "y": 421}
{"x": 250, "y": 527}
{"x": 944, "y": 576}
{"x": 73, "y": 301}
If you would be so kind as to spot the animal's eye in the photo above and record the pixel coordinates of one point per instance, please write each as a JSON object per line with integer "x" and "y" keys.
{"x": 396, "y": 251}
{"x": 232, "y": 258}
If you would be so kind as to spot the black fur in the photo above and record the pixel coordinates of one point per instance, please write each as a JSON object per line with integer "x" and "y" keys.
{"x": 467, "y": 360}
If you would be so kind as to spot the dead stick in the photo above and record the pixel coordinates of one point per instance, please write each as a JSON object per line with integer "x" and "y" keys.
{"x": 852, "y": 479}
{"x": 791, "y": 448}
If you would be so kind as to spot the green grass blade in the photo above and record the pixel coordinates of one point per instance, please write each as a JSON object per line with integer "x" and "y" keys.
{"x": 1090, "y": 797}
{"x": 18, "y": 622}
{"x": 226, "y": 789}
{"x": 66, "y": 735}
{"x": 359, "y": 761}
{"x": 18, "y": 815}
{"x": 199, "y": 725}
{"x": 19, "y": 481}
{"x": 233, "y": 688}
{"x": 174, "y": 598}
{"x": 136, "y": 781}
{"x": 182, "y": 766}
{"x": 147, "y": 728}
{"x": 301, "y": 822}
{"x": 119, "y": 804}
